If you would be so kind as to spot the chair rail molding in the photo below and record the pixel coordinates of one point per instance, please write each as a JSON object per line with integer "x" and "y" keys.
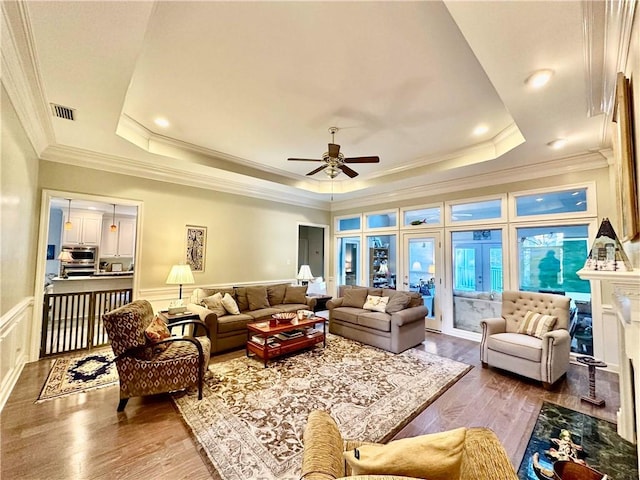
{"x": 626, "y": 303}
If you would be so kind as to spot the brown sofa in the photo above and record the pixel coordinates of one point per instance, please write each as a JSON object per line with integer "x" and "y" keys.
{"x": 483, "y": 456}
{"x": 255, "y": 302}
{"x": 394, "y": 330}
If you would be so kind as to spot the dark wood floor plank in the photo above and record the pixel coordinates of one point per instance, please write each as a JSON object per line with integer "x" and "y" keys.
{"x": 83, "y": 437}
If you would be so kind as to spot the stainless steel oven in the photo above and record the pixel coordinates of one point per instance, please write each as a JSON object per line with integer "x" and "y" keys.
{"x": 83, "y": 260}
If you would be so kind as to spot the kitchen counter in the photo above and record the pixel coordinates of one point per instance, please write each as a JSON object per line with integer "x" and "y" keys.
{"x": 92, "y": 283}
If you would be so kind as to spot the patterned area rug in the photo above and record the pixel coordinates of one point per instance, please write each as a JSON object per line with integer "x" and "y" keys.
{"x": 251, "y": 419}
{"x": 79, "y": 373}
{"x": 561, "y": 432}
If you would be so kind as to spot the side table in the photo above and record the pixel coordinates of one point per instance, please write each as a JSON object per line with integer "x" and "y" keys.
{"x": 177, "y": 317}
{"x": 592, "y": 363}
{"x": 321, "y": 302}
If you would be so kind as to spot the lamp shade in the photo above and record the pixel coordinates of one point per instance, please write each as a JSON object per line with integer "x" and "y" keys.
{"x": 65, "y": 256}
{"x": 432, "y": 269}
{"x": 416, "y": 267}
{"x": 180, "y": 275}
{"x": 384, "y": 269}
{"x": 305, "y": 273}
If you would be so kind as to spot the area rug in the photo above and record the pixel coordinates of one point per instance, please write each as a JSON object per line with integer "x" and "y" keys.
{"x": 560, "y": 431}
{"x": 79, "y": 372}
{"x": 250, "y": 421}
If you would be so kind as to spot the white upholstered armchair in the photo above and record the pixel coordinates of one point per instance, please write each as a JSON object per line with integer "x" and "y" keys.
{"x": 535, "y": 346}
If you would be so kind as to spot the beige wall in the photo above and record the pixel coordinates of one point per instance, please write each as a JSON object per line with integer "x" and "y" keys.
{"x": 19, "y": 210}
{"x": 248, "y": 239}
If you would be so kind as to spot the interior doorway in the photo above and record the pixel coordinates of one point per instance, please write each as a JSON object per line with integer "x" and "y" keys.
{"x": 312, "y": 248}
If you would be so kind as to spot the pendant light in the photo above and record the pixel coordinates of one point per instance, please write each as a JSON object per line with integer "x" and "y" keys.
{"x": 68, "y": 225}
{"x": 113, "y": 226}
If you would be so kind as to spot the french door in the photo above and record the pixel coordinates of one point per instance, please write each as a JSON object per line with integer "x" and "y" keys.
{"x": 421, "y": 272}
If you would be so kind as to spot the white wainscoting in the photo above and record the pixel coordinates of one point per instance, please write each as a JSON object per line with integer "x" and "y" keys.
{"x": 15, "y": 336}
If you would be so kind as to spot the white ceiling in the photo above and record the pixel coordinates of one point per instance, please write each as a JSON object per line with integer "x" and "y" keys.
{"x": 245, "y": 85}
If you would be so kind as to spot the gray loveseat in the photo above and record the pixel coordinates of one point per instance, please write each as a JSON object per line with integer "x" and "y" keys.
{"x": 255, "y": 303}
{"x": 399, "y": 327}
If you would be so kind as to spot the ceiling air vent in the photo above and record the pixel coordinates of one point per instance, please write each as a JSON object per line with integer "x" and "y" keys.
{"x": 63, "y": 112}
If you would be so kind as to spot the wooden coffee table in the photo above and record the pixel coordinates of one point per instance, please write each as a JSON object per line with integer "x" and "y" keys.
{"x": 267, "y": 349}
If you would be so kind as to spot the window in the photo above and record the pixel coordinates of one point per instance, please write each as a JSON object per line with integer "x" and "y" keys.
{"x": 382, "y": 220}
{"x": 477, "y": 277}
{"x": 546, "y": 203}
{"x": 348, "y": 261}
{"x": 422, "y": 216}
{"x": 548, "y": 259}
{"x": 382, "y": 261}
{"x": 476, "y": 211}
{"x": 348, "y": 223}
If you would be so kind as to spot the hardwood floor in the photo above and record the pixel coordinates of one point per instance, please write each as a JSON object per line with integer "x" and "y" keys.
{"x": 83, "y": 437}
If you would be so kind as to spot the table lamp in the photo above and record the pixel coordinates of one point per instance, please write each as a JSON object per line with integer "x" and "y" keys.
{"x": 304, "y": 275}
{"x": 65, "y": 256}
{"x": 180, "y": 275}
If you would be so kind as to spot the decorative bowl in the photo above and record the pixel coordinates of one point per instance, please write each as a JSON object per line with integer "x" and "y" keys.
{"x": 284, "y": 317}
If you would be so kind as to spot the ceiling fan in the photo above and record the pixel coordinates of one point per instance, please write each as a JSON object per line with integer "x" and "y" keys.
{"x": 334, "y": 161}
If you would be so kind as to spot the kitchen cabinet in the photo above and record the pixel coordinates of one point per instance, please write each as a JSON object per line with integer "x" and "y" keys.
{"x": 120, "y": 243}
{"x": 86, "y": 228}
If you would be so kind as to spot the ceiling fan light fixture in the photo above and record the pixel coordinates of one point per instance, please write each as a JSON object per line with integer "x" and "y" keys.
{"x": 331, "y": 171}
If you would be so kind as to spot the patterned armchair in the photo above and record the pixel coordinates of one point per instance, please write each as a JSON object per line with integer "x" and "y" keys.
{"x": 145, "y": 369}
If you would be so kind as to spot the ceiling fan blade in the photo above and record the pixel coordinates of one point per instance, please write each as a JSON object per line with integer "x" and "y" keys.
{"x": 313, "y": 172}
{"x": 334, "y": 150}
{"x": 305, "y": 159}
{"x": 362, "y": 160}
{"x": 351, "y": 173}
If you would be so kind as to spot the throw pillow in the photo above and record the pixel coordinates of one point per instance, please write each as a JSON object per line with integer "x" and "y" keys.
{"x": 437, "y": 456}
{"x": 399, "y": 301}
{"x": 241, "y": 298}
{"x": 293, "y": 294}
{"x": 230, "y": 304}
{"x": 214, "y": 303}
{"x": 375, "y": 303}
{"x": 275, "y": 293}
{"x": 257, "y": 297}
{"x": 156, "y": 332}
{"x": 354, "y": 297}
{"x": 536, "y": 324}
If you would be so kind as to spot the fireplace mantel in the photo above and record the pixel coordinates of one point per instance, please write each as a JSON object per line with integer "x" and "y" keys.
{"x": 626, "y": 302}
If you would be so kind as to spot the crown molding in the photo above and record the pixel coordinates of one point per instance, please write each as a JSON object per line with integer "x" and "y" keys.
{"x": 21, "y": 75}
{"x": 589, "y": 161}
{"x": 605, "y": 54}
{"x": 216, "y": 180}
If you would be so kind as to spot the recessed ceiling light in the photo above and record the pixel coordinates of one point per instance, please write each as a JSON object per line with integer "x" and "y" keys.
{"x": 558, "y": 143}
{"x": 575, "y": 193}
{"x": 480, "y": 130}
{"x": 580, "y": 202}
{"x": 539, "y": 199}
{"x": 539, "y": 78}
{"x": 161, "y": 122}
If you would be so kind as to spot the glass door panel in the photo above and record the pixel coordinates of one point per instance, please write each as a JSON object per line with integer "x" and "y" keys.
{"x": 477, "y": 277}
{"x": 548, "y": 259}
{"x": 348, "y": 260}
{"x": 421, "y": 267}
{"x": 381, "y": 266}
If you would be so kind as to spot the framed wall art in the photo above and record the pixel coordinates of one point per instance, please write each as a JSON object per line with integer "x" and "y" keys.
{"x": 623, "y": 150}
{"x": 196, "y": 247}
